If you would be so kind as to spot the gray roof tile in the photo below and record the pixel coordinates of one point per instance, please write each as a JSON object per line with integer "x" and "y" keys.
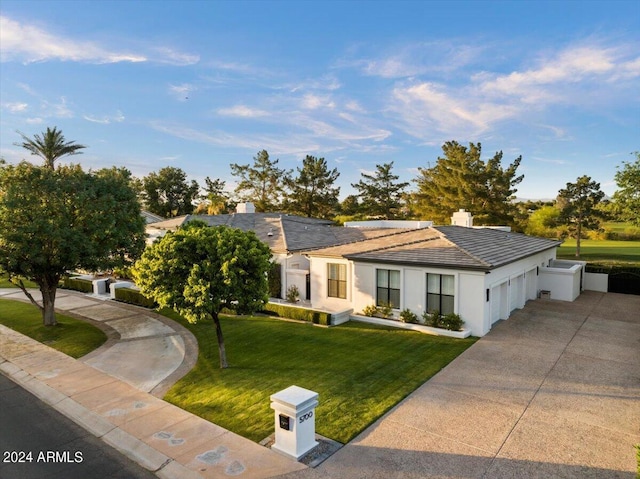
{"x": 444, "y": 246}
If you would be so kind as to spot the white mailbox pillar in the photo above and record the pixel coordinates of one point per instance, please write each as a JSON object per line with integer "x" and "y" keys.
{"x": 295, "y": 421}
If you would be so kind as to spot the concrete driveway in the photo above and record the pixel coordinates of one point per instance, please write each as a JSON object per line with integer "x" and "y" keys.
{"x": 553, "y": 392}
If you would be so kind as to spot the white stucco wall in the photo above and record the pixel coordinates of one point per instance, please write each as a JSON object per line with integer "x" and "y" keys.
{"x": 289, "y": 278}
{"x": 596, "y": 282}
{"x": 320, "y": 283}
{"x": 562, "y": 283}
{"x": 510, "y": 287}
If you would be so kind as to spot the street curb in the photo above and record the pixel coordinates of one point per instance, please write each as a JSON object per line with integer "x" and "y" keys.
{"x": 123, "y": 442}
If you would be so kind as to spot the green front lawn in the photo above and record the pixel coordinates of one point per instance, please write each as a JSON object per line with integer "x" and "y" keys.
{"x": 360, "y": 371}
{"x": 602, "y": 251}
{"x": 5, "y": 283}
{"x": 70, "y": 336}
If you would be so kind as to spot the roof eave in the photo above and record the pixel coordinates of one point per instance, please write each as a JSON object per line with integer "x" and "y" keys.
{"x": 418, "y": 263}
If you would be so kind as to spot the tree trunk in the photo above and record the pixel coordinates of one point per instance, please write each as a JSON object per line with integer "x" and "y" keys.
{"x": 48, "y": 304}
{"x": 578, "y": 237}
{"x": 221, "y": 350}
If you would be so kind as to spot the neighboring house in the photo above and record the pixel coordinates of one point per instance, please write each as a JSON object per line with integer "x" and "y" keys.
{"x": 482, "y": 274}
{"x": 288, "y": 236}
{"x": 151, "y": 217}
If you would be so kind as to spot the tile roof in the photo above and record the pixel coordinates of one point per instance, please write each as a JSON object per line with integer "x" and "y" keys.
{"x": 443, "y": 246}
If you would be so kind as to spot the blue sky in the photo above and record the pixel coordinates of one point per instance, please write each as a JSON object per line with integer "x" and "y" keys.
{"x": 200, "y": 85}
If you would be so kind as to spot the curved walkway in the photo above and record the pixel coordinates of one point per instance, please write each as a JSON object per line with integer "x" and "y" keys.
{"x": 144, "y": 349}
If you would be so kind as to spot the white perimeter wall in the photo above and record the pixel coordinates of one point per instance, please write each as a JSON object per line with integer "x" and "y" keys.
{"x": 596, "y": 282}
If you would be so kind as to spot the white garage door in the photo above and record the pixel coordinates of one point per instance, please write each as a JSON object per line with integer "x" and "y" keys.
{"x": 515, "y": 292}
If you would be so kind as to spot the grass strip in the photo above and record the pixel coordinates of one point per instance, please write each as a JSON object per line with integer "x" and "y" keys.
{"x": 360, "y": 371}
{"x": 602, "y": 251}
{"x": 70, "y": 336}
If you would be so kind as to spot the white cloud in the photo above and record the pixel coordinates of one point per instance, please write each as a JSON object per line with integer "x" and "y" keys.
{"x": 242, "y": 111}
{"x": 105, "y": 120}
{"x": 556, "y": 78}
{"x": 29, "y": 43}
{"x": 577, "y": 75}
{"x": 313, "y": 102}
{"x": 56, "y": 110}
{"x": 550, "y": 160}
{"x": 34, "y": 121}
{"x": 417, "y": 59}
{"x": 354, "y": 106}
{"x": 278, "y": 145}
{"x": 15, "y": 107}
{"x": 174, "y": 57}
{"x": 181, "y": 92}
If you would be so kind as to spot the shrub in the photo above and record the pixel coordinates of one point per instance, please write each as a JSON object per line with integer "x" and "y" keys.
{"x": 301, "y": 314}
{"x": 408, "y": 316}
{"x": 78, "y": 284}
{"x": 293, "y": 294}
{"x": 370, "y": 310}
{"x": 385, "y": 310}
{"x": 452, "y": 322}
{"x": 123, "y": 272}
{"x": 432, "y": 318}
{"x": 133, "y": 296}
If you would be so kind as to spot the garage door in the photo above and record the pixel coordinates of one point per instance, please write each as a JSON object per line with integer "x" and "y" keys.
{"x": 500, "y": 302}
{"x": 515, "y": 292}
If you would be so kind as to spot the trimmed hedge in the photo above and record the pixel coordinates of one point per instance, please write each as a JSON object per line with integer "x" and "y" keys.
{"x": 78, "y": 284}
{"x": 611, "y": 269}
{"x": 133, "y": 296}
{"x": 300, "y": 314}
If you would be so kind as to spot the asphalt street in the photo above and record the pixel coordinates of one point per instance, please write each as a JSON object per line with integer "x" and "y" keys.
{"x": 38, "y": 442}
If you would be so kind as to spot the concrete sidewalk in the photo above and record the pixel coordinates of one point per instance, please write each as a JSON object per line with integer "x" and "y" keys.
{"x": 553, "y": 392}
{"x": 106, "y": 392}
{"x": 144, "y": 349}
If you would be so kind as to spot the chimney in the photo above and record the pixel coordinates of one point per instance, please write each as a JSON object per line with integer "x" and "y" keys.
{"x": 247, "y": 207}
{"x": 462, "y": 218}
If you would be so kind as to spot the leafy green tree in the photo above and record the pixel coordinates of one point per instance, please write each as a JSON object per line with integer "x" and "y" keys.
{"x": 57, "y": 220}
{"x": 578, "y": 207}
{"x": 381, "y": 194}
{"x": 311, "y": 193}
{"x": 198, "y": 270}
{"x": 543, "y": 222}
{"x": 262, "y": 183}
{"x": 216, "y": 199}
{"x": 50, "y": 146}
{"x": 461, "y": 179}
{"x": 167, "y": 193}
{"x": 350, "y": 206}
{"x": 627, "y": 197}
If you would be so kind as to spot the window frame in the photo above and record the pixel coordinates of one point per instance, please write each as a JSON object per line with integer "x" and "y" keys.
{"x": 388, "y": 289}
{"x": 339, "y": 285}
{"x": 440, "y": 295}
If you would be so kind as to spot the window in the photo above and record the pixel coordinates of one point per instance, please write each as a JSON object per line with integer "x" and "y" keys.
{"x": 440, "y": 293}
{"x": 337, "y": 274}
{"x": 388, "y": 287}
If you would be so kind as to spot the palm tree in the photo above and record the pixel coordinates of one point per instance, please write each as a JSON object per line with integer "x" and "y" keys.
{"x": 50, "y": 146}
